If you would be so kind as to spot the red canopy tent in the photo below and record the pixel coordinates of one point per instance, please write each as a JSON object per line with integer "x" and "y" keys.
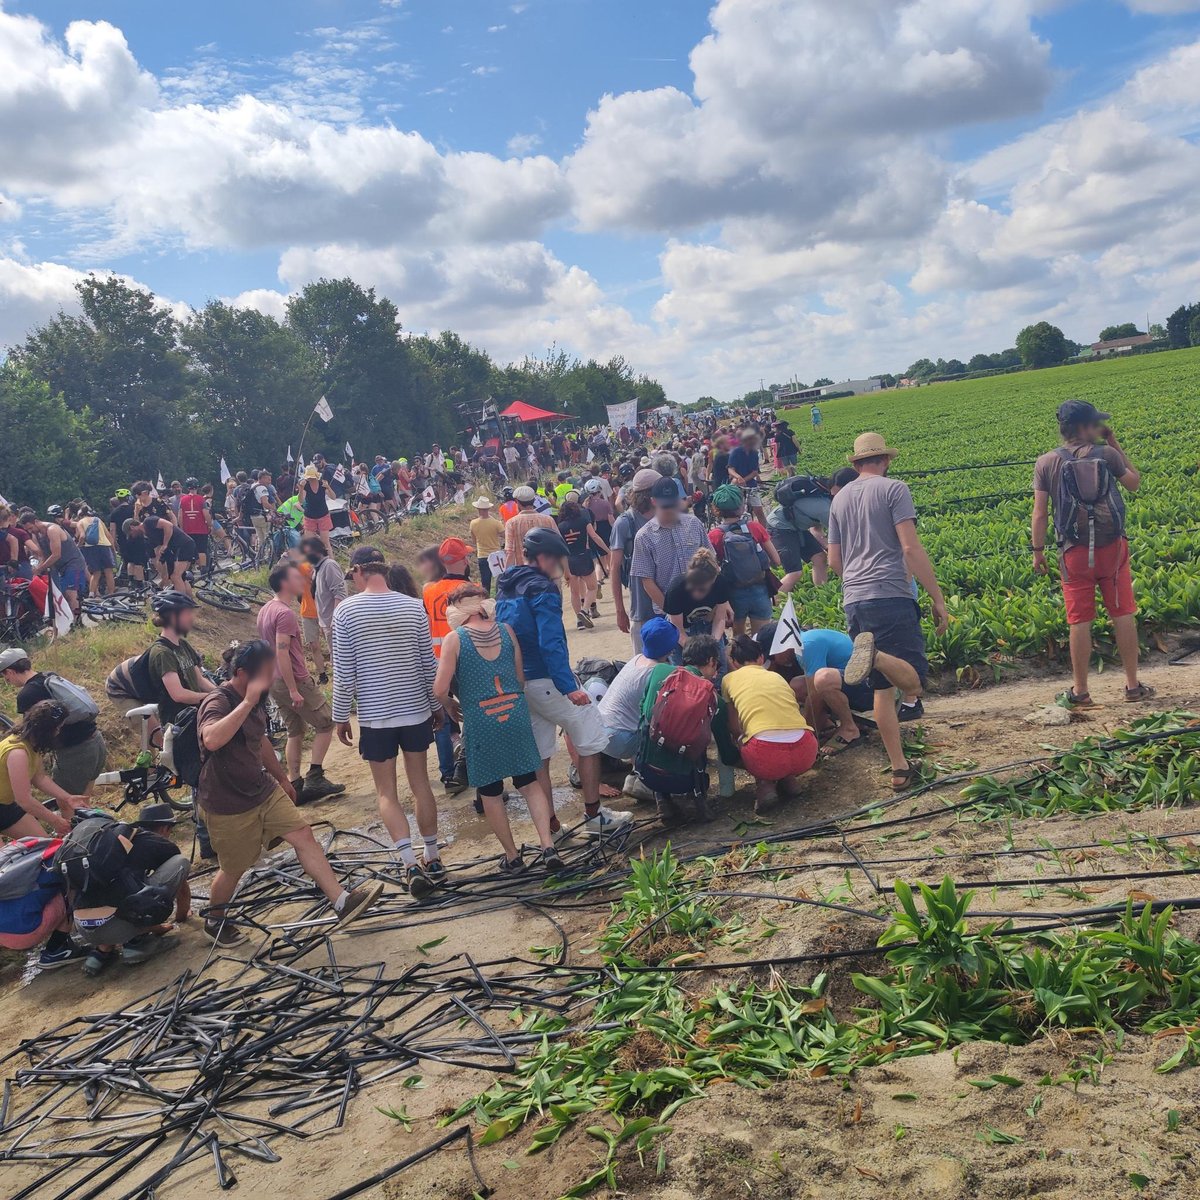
{"x": 518, "y": 410}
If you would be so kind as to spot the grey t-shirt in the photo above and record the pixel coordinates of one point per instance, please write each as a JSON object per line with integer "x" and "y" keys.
{"x": 863, "y": 520}
{"x": 621, "y": 705}
{"x": 624, "y": 530}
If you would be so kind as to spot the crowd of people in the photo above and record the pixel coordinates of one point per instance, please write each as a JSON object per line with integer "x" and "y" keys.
{"x": 473, "y": 658}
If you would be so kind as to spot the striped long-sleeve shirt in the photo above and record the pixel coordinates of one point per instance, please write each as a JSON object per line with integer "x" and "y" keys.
{"x": 383, "y": 662}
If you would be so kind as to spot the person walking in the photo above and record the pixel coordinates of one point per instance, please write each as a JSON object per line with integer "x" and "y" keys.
{"x": 875, "y": 548}
{"x": 521, "y": 522}
{"x": 481, "y": 666}
{"x": 383, "y": 668}
{"x": 487, "y": 532}
{"x": 746, "y": 554}
{"x": 664, "y": 546}
{"x": 449, "y": 569}
{"x": 1079, "y": 481}
{"x": 302, "y": 705}
{"x": 327, "y": 581}
{"x": 578, "y": 529}
{"x": 637, "y": 512}
{"x": 315, "y": 495}
{"x": 247, "y": 799}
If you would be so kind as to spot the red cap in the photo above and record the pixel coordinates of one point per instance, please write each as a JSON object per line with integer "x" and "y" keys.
{"x": 454, "y": 550}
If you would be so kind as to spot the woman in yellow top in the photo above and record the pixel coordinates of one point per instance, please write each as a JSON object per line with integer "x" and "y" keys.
{"x": 777, "y": 744}
{"x": 21, "y": 770}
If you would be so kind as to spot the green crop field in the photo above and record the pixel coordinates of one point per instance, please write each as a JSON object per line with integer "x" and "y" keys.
{"x": 976, "y": 522}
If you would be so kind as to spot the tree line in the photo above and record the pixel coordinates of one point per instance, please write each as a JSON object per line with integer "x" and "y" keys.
{"x": 124, "y": 389}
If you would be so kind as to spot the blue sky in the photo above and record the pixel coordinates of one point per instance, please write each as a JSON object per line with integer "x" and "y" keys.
{"x": 820, "y": 190}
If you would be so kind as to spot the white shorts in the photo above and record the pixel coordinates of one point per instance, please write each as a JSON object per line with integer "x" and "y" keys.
{"x": 550, "y": 711}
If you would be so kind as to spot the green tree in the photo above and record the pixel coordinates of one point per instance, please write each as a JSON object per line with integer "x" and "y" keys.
{"x": 1158, "y": 332}
{"x": 257, "y": 382}
{"x": 921, "y": 369}
{"x": 120, "y": 360}
{"x": 49, "y": 451}
{"x": 955, "y": 366}
{"x": 1042, "y": 345}
{"x": 460, "y": 374}
{"x": 822, "y": 382}
{"x": 706, "y": 402}
{"x": 1179, "y": 325}
{"x": 1128, "y": 329}
{"x": 1194, "y": 330}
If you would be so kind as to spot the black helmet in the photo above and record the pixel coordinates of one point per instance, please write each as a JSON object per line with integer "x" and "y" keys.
{"x": 172, "y": 601}
{"x": 541, "y": 540}
{"x": 54, "y": 512}
{"x": 191, "y": 482}
{"x": 506, "y": 493}
{"x": 150, "y": 905}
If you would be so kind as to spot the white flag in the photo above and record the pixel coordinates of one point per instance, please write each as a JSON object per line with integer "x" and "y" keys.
{"x": 58, "y": 610}
{"x": 323, "y": 410}
{"x": 161, "y": 486}
{"x": 349, "y": 452}
{"x": 429, "y": 495}
{"x": 226, "y": 474}
{"x": 591, "y": 454}
{"x": 5, "y": 502}
{"x": 339, "y": 474}
{"x": 787, "y": 632}
{"x": 289, "y": 457}
{"x": 300, "y": 466}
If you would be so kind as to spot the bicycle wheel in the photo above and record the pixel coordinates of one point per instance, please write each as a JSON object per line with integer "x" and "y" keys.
{"x": 219, "y": 597}
{"x": 251, "y": 591}
{"x": 372, "y": 523}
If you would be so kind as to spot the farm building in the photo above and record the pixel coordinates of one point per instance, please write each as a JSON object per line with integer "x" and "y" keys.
{"x": 1121, "y": 345}
{"x": 805, "y": 395}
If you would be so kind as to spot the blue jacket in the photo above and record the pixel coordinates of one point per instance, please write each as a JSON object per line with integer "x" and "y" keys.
{"x": 531, "y": 605}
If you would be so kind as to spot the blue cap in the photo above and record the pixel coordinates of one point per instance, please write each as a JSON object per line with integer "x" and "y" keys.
{"x": 659, "y": 637}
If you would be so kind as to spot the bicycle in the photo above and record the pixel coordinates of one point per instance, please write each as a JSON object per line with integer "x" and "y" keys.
{"x": 147, "y": 781}
{"x": 20, "y": 617}
{"x": 212, "y": 588}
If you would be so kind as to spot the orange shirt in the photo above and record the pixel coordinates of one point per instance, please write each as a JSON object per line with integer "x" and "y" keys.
{"x": 509, "y": 509}
{"x": 308, "y": 602}
{"x": 437, "y": 597}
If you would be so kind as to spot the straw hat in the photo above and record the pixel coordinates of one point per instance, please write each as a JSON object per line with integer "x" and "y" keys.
{"x": 482, "y": 503}
{"x": 870, "y": 445}
{"x": 311, "y": 472}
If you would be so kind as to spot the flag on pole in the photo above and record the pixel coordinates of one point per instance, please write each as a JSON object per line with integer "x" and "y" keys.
{"x": 289, "y": 457}
{"x": 58, "y": 611}
{"x": 787, "y": 631}
{"x": 300, "y": 466}
{"x": 161, "y": 486}
{"x": 323, "y": 410}
{"x": 226, "y": 475}
{"x": 349, "y": 452}
{"x": 5, "y": 502}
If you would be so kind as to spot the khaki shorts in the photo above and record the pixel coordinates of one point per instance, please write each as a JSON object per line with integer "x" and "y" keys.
{"x": 310, "y": 630}
{"x": 313, "y": 712}
{"x": 240, "y": 838}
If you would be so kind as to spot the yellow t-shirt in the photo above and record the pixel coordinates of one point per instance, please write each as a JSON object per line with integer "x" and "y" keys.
{"x": 35, "y": 767}
{"x": 764, "y": 701}
{"x": 488, "y": 535}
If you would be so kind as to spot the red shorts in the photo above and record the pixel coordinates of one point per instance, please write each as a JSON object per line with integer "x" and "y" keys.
{"x": 773, "y": 761}
{"x": 318, "y": 524}
{"x": 1110, "y": 573}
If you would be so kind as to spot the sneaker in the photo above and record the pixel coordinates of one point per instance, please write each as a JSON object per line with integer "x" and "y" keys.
{"x": 96, "y": 961}
{"x": 136, "y": 952}
{"x": 862, "y": 660}
{"x": 51, "y": 960}
{"x": 560, "y": 835}
{"x": 595, "y": 612}
{"x": 454, "y": 784}
{"x": 637, "y": 790}
{"x": 512, "y": 866}
{"x": 323, "y": 678}
{"x": 552, "y": 860}
{"x": 224, "y": 934}
{"x": 573, "y": 776}
{"x": 419, "y": 884}
{"x": 606, "y": 822}
{"x": 318, "y": 787}
{"x": 912, "y": 712}
{"x": 435, "y": 869}
{"x": 585, "y": 620}
{"x": 358, "y": 902}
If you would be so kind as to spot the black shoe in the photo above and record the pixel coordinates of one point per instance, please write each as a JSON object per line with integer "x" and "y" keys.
{"x": 551, "y": 860}
{"x": 512, "y": 866}
{"x": 318, "y": 787}
{"x": 51, "y": 960}
{"x": 323, "y": 678}
{"x": 912, "y": 712}
{"x": 419, "y": 884}
{"x": 435, "y": 869}
{"x": 224, "y": 934}
{"x": 585, "y": 620}
{"x": 97, "y": 960}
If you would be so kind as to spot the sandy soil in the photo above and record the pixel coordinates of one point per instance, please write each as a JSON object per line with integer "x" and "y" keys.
{"x": 801, "y": 1137}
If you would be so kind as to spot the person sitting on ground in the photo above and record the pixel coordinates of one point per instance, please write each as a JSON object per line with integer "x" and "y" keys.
{"x": 123, "y": 908}
{"x": 746, "y": 553}
{"x": 248, "y": 801}
{"x": 481, "y": 683}
{"x": 383, "y": 667}
{"x": 22, "y": 754}
{"x": 79, "y": 752}
{"x": 776, "y": 743}
{"x": 621, "y": 704}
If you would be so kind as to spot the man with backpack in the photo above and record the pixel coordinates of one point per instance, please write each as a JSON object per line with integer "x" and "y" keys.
{"x": 1079, "y": 482}
{"x": 803, "y": 506}
{"x": 746, "y": 554}
{"x": 79, "y": 751}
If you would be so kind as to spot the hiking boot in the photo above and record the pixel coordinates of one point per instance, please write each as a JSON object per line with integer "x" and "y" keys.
{"x": 585, "y": 620}
{"x": 435, "y": 869}
{"x": 323, "y": 678}
{"x": 318, "y": 787}
{"x": 512, "y": 866}
{"x": 911, "y": 712}
{"x": 51, "y": 960}
{"x": 668, "y": 812}
{"x": 551, "y": 860}
{"x": 595, "y": 610}
{"x": 357, "y": 903}
{"x": 637, "y": 790}
{"x": 224, "y": 934}
{"x": 420, "y": 885}
{"x": 606, "y": 822}
{"x": 862, "y": 659}
{"x": 97, "y": 960}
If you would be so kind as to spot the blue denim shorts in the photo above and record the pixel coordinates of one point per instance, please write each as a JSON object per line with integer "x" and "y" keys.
{"x": 753, "y": 601}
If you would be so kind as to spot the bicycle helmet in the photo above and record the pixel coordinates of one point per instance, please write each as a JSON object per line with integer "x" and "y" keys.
{"x": 122, "y": 493}
{"x": 172, "y": 601}
{"x": 541, "y": 540}
{"x": 593, "y": 487}
{"x": 55, "y": 512}
{"x": 506, "y": 493}
{"x": 191, "y": 482}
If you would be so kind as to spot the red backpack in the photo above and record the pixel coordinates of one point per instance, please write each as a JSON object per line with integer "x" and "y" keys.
{"x": 682, "y": 717}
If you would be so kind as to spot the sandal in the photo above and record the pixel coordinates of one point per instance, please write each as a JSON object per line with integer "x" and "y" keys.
{"x": 839, "y": 745}
{"x": 1136, "y": 694}
{"x": 1069, "y": 699}
{"x": 903, "y": 780}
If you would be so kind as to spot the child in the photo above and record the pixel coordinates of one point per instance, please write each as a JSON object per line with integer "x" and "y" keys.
{"x": 776, "y": 742}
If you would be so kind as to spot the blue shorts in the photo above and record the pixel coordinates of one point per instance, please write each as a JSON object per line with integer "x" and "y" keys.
{"x": 99, "y": 558}
{"x": 896, "y": 624}
{"x": 753, "y": 601}
{"x": 73, "y": 579}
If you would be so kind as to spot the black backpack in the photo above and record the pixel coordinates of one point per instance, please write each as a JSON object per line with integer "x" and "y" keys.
{"x": 92, "y": 857}
{"x": 1086, "y": 499}
{"x": 181, "y": 747}
{"x": 799, "y": 487}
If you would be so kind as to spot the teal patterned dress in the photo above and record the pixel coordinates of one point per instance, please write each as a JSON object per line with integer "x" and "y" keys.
{"x": 496, "y": 727}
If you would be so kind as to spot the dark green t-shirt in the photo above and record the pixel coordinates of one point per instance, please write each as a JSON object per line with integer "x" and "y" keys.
{"x": 181, "y": 660}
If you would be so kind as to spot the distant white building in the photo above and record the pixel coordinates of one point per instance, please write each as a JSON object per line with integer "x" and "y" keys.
{"x": 857, "y": 387}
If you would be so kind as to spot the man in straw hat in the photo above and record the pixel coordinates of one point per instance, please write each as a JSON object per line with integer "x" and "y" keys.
{"x": 487, "y": 532}
{"x": 874, "y": 547}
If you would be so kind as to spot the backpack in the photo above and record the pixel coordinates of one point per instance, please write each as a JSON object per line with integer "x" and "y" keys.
{"x": 92, "y": 855}
{"x": 79, "y": 705}
{"x": 181, "y": 747}
{"x": 745, "y": 562}
{"x": 131, "y": 679}
{"x": 799, "y": 487}
{"x": 91, "y": 535}
{"x": 1086, "y": 501}
{"x": 22, "y": 862}
{"x": 682, "y": 717}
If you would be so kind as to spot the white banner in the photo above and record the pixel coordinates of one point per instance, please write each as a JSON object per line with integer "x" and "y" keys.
{"x": 225, "y": 475}
{"x": 623, "y": 414}
{"x": 323, "y": 410}
{"x": 787, "y": 632}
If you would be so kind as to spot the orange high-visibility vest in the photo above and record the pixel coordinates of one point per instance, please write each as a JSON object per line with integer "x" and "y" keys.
{"x": 509, "y": 509}
{"x": 437, "y": 598}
